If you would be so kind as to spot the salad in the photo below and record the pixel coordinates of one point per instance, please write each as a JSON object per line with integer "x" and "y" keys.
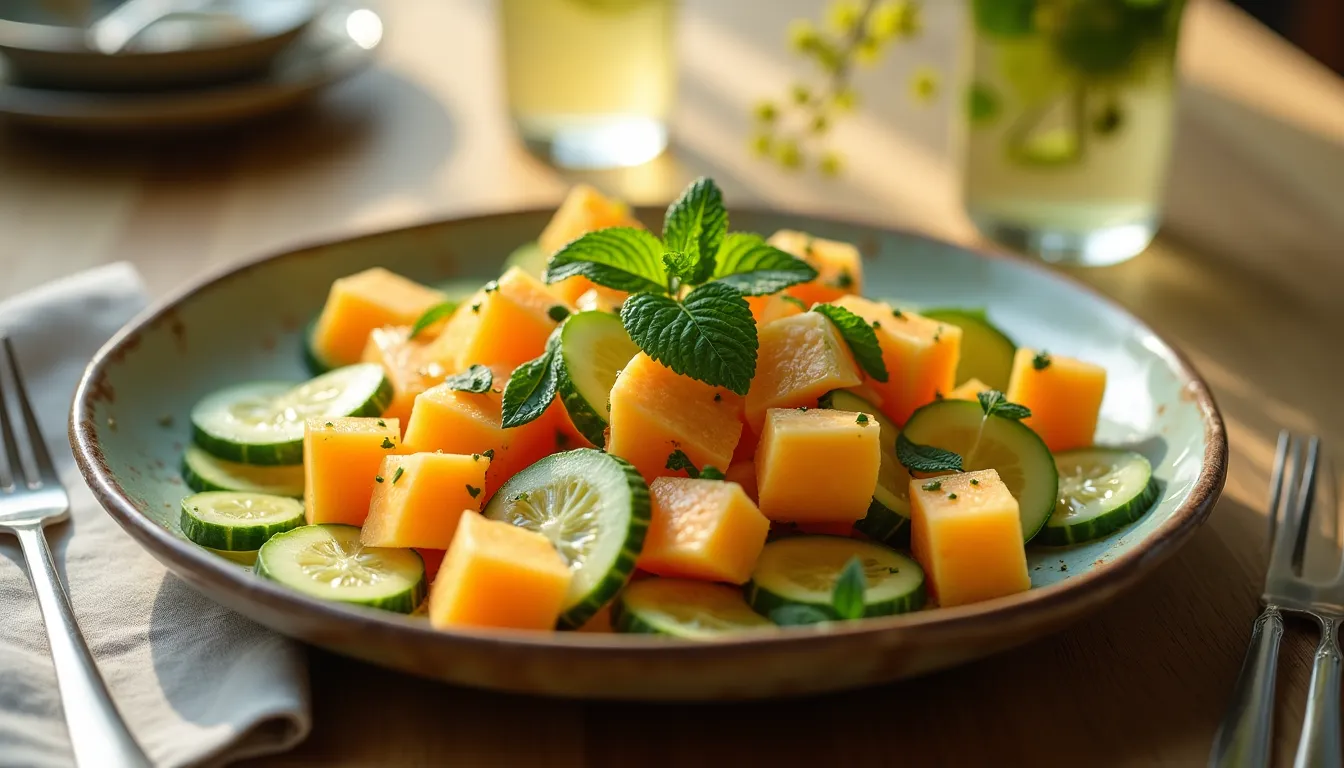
{"x": 692, "y": 433}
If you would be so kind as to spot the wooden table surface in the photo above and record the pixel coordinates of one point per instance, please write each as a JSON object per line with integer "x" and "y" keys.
{"x": 1245, "y": 276}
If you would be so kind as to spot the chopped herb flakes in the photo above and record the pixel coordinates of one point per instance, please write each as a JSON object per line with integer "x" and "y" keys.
{"x": 844, "y": 280}
{"x": 898, "y": 314}
{"x": 717, "y": 397}
{"x": 382, "y": 423}
{"x": 329, "y": 424}
{"x": 489, "y": 453}
{"x": 377, "y": 478}
{"x": 397, "y": 476}
{"x": 476, "y": 308}
{"x": 492, "y": 286}
{"x": 936, "y": 485}
{"x": 558, "y": 313}
{"x": 974, "y": 481}
{"x": 1041, "y": 361}
{"x": 388, "y": 444}
{"x": 952, "y": 496}
{"x": 474, "y": 491}
{"x": 862, "y": 419}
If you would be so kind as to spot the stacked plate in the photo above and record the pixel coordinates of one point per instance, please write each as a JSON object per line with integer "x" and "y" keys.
{"x": 167, "y": 64}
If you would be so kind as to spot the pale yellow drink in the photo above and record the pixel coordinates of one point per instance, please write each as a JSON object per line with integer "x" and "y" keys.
{"x": 590, "y": 82}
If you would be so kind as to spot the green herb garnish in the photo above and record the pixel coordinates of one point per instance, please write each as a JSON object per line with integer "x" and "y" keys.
{"x": 431, "y": 316}
{"x": 862, "y": 419}
{"x": 473, "y": 490}
{"x": 993, "y": 403}
{"x": 531, "y": 388}
{"x": 678, "y": 461}
{"x": 936, "y": 485}
{"x": 558, "y": 313}
{"x": 1041, "y": 361}
{"x": 847, "y": 598}
{"x": 388, "y": 444}
{"x": 925, "y": 458}
{"x": 377, "y": 478}
{"x": 859, "y": 337}
{"x": 477, "y": 379}
{"x": 400, "y": 471}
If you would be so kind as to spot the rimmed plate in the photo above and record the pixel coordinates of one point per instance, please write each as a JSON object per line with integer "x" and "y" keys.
{"x": 129, "y": 424}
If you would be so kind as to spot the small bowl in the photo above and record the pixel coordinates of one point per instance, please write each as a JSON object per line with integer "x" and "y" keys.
{"x": 229, "y": 40}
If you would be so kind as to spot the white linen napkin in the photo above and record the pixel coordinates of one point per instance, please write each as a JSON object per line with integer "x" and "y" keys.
{"x": 197, "y": 683}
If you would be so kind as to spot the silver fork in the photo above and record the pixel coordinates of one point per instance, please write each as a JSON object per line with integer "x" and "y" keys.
{"x": 31, "y": 496}
{"x": 1244, "y": 739}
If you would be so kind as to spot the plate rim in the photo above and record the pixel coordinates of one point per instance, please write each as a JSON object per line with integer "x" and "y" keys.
{"x": 1116, "y": 574}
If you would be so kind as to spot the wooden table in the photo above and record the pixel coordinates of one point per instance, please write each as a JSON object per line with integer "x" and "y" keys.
{"x": 1246, "y": 277}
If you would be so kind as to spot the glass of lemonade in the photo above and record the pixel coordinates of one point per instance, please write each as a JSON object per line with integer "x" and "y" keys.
{"x": 590, "y": 82}
{"x": 1070, "y": 124}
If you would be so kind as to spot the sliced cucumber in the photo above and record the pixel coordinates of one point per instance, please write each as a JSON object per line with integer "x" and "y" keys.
{"x": 986, "y": 352}
{"x": 238, "y": 522}
{"x": 888, "y": 518}
{"x": 594, "y": 347}
{"x": 1100, "y": 491}
{"x": 316, "y": 365}
{"x": 329, "y": 562}
{"x": 262, "y": 423}
{"x": 529, "y": 257}
{"x": 204, "y": 472}
{"x": 1007, "y": 446}
{"x": 803, "y": 570}
{"x": 695, "y": 610}
{"x": 595, "y": 508}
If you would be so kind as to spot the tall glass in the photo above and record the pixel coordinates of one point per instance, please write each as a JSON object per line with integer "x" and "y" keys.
{"x": 590, "y": 82}
{"x": 1070, "y": 124}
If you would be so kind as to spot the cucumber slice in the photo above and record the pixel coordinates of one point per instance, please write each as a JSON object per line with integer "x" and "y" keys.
{"x": 238, "y": 522}
{"x": 594, "y": 347}
{"x": 204, "y": 472}
{"x": 262, "y": 423}
{"x": 529, "y": 257}
{"x": 316, "y": 365}
{"x": 1007, "y": 446}
{"x": 329, "y": 562}
{"x": 1100, "y": 491}
{"x": 595, "y": 508}
{"x": 802, "y": 570}
{"x": 888, "y": 518}
{"x": 694, "y": 610}
{"x": 986, "y": 352}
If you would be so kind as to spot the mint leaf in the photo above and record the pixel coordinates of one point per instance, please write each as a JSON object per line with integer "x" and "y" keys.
{"x": 695, "y": 225}
{"x": 477, "y": 379}
{"x": 678, "y": 460}
{"x": 623, "y": 258}
{"x": 925, "y": 458}
{"x": 756, "y": 268}
{"x": 993, "y": 403}
{"x": 681, "y": 265}
{"x": 431, "y": 316}
{"x": 847, "y": 598}
{"x": 711, "y": 472}
{"x": 859, "y": 336}
{"x": 709, "y": 336}
{"x": 531, "y": 388}
{"x": 797, "y": 615}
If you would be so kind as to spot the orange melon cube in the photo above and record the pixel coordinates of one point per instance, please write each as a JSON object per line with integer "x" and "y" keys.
{"x": 744, "y": 474}
{"x": 409, "y": 363}
{"x": 967, "y": 390}
{"x": 341, "y": 457}
{"x": 655, "y": 411}
{"x": 817, "y": 465}
{"x": 767, "y": 309}
{"x": 418, "y": 499}
{"x": 1064, "y": 395}
{"x": 800, "y": 359}
{"x": 496, "y": 574}
{"x": 702, "y": 529}
{"x": 456, "y": 422}
{"x": 839, "y": 266}
{"x": 505, "y": 323}
{"x": 599, "y": 298}
{"x": 966, "y": 532}
{"x": 584, "y": 210}
{"x": 921, "y": 356}
{"x": 361, "y": 302}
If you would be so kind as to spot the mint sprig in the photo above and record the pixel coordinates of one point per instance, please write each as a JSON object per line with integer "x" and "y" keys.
{"x": 859, "y": 336}
{"x": 847, "y": 597}
{"x": 686, "y": 309}
{"x": 678, "y": 461}
{"x": 431, "y": 316}
{"x": 477, "y": 379}
{"x": 925, "y": 458}
{"x": 993, "y": 403}
{"x": 532, "y": 387}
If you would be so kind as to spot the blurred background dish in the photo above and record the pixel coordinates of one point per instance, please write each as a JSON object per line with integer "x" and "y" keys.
{"x": 157, "y": 43}
{"x": 337, "y": 44}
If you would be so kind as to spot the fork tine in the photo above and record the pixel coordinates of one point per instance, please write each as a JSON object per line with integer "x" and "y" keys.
{"x": 1306, "y": 497}
{"x": 10, "y": 459}
{"x": 46, "y": 471}
{"x": 1291, "y": 512}
{"x": 1276, "y": 482}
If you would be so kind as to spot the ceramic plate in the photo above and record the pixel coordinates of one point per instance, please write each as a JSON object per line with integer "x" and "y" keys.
{"x": 130, "y": 423}
{"x": 338, "y": 44}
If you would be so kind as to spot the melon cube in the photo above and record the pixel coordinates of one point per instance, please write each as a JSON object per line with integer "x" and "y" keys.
{"x": 702, "y": 529}
{"x": 409, "y": 363}
{"x": 968, "y": 390}
{"x": 1064, "y": 395}
{"x": 598, "y": 298}
{"x": 655, "y": 411}
{"x": 418, "y": 499}
{"x": 817, "y": 465}
{"x": 800, "y": 359}
{"x": 361, "y": 302}
{"x": 839, "y": 266}
{"x": 496, "y": 574}
{"x": 967, "y": 534}
{"x": 450, "y": 421}
{"x": 341, "y": 457}
{"x": 921, "y": 356}
{"x": 584, "y": 210}
{"x": 505, "y": 323}
{"x": 767, "y": 309}
{"x": 744, "y": 474}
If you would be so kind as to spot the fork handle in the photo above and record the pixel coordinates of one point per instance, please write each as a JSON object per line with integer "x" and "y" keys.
{"x": 1319, "y": 745}
{"x": 98, "y": 736}
{"x": 1244, "y": 737}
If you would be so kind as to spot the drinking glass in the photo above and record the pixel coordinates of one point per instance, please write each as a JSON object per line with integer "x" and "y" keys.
{"x": 1070, "y": 124}
{"x": 590, "y": 82}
